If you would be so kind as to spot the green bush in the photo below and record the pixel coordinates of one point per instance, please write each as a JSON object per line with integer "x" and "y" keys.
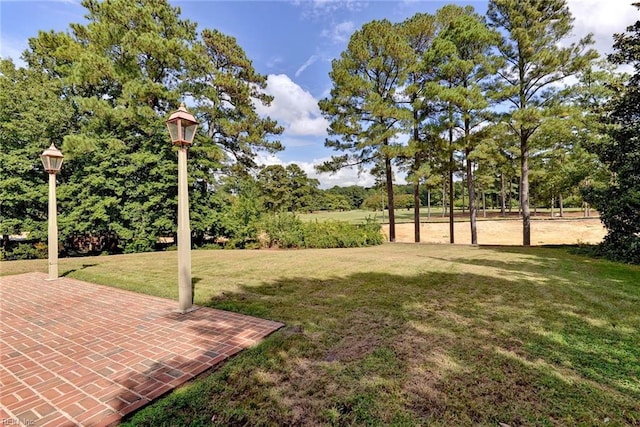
{"x": 288, "y": 231}
{"x": 142, "y": 244}
{"x": 282, "y": 230}
{"x": 621, "y": 248}
{"x": 322, "y": 235}
{"x": 25, "y": 251}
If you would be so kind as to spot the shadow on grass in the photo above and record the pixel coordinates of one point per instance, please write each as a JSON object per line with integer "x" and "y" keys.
{"x": 68, "y": 272}
{"x": 433, "y": 348}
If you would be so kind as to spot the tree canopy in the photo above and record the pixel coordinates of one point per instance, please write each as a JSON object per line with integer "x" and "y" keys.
{"x": 619, "y": 201}
{"x": 104, "y": 90}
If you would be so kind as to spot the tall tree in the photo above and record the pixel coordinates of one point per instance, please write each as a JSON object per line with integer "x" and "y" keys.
{"x": 225, "y": 87}
{"x": 419, "y": 31}
{"x": 537, "y": 59}
{"x": 590, "y": 99}
{"x": 363, "y": 107}
{"x": 286, "y": 188}
{"x": 354, "y": 193}
{"x": 464, "y": 47}
{"x": 122, "y": 72}
{"x": 619, "y": 202}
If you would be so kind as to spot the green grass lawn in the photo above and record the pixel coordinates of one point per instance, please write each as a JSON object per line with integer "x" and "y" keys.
{"x": 404, "y": 335}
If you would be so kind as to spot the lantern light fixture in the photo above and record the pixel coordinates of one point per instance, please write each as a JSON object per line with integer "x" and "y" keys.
{"x": 52, "y": 159}
{"x": 182, "y": 127}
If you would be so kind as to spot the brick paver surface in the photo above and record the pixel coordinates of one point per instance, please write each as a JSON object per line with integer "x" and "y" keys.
{"x": 75, "y": 353}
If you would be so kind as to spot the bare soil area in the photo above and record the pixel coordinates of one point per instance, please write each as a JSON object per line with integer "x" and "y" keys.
{"x": 547, "y": 231}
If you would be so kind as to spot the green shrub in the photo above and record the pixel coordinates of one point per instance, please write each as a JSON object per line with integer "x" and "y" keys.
{"x": 322, "y": 235}
{"x": 283, "y": 231}
{"x": 288, "y": 231}
{"x": 621, "y": 248}
{"x": 25, "y": 251}
{"x": 141, "y": 244}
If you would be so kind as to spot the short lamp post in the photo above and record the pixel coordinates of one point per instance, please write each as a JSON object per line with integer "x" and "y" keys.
{"x": 52, "y": 162}
{"x": 182, "y": 129}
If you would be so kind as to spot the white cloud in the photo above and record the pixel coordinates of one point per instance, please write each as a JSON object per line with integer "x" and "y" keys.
{"x": 293, "y": 107}
{"x": 340, "y": 33}
{"x": 343, "y": 178}
{"x": 274, "y": 62}
{"x": 315, "y": 9}
{"x": 603, "y": 19}
{"x": 346, "y": 176}
{"x": 265, "y": 159}
{"x": 307, "y": 64}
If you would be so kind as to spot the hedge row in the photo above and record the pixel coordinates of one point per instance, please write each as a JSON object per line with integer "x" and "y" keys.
{"x": 288, "y": 231}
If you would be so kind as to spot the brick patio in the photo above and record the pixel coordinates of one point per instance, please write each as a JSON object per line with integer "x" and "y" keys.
{"x": 75, "y": 353}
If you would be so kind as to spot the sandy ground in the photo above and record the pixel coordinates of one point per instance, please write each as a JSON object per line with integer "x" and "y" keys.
{"x": 556, "y": 231}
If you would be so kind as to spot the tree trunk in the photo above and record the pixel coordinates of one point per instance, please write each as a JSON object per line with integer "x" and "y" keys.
{"x": 510, "y": 193}
{"x": 391, "y": 204}
{"x": 561, "y": 205}
{"x": 503, "y": 210}
{"x": 472, "y": 199}
{"x": 553, "y": 202}
{"x": 524, "y": 190}
{"x": 416, "y": 185}
{"x": 416, "y": 211}
{"x": 520, "y": 197}
{"x": 429, "y": 203}
{"x": 444, "y": 198}
{"x": 464, "y": 206}
{"x": 484, "y": 204}
{"x": 451, "y": 190}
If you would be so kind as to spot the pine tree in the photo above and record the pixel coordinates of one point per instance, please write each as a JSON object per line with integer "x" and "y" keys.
{"x": 363, "y": 109}
{"x": 465, "y": 66}
{"x": 535, "y": 61}
{"x": 419, "y": 31}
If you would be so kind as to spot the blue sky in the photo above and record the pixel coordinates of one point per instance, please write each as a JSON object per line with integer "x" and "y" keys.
{"x": 293, "y": 43}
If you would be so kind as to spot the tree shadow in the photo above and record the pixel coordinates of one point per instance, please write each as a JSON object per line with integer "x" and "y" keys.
{"x": 468, "y": 348}
{"x": 540, "y": 261}
{"x": 84, "y": 266}
{"x": 194, "y": 282}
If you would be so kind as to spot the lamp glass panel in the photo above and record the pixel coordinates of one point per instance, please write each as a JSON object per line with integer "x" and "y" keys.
{"x": 55, "y": 163}
{"x": 173, "y": 131}
{"x": 189, "y": 130}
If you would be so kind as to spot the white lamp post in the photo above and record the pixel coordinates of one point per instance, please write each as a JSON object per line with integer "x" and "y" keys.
{"x": 52, "y": 162}
{"x": 182, "y": 129}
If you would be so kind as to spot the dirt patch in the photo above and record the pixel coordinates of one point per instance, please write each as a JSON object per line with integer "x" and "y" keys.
{"x": 548, "y": 231}
{"x": 356, "y": 341}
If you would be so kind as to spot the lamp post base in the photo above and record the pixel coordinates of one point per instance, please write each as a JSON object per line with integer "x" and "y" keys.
{"x": 188, "y": 310}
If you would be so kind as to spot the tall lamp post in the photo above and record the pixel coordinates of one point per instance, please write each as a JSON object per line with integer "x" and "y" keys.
{"x": 52, "y": 162}
{"x": 182, "y": 129}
